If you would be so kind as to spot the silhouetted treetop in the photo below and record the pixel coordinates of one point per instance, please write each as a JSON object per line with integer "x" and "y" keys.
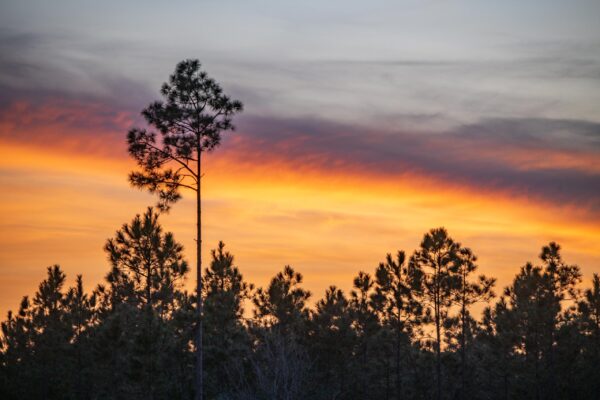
{"x": 190, "y": 120}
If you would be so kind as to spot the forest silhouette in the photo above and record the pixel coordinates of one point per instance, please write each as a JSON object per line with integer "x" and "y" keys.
{"x": 407, "y": 330}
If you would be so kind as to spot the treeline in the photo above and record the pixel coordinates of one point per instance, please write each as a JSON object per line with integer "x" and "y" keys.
{"x": 407, "y": 330}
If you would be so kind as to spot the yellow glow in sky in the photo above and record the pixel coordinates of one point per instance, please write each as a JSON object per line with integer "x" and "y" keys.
{"x": 60, "y": 208}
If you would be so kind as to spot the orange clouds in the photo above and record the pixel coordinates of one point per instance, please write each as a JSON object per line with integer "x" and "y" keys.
{"x": 73, "y": 126}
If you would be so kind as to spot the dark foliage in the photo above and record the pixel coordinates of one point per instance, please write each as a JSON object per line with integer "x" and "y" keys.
{"x": 406, "y": 332}
{"x": 191, "y": 117}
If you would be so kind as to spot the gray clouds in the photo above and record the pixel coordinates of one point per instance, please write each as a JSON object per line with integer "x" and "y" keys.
{"x": 447, "y": 92}
{"x": 500, "y": 155}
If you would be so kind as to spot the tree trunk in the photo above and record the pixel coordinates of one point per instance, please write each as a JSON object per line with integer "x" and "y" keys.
{"x": 364, "y": 369}
{"x": 552, "y": 381}
{"x": 438, "y": 350}
{"x": 463, "y": 342}
{"x": 149, "y": 349}
{"x": 387, "y": 378}
{"x": 437, "y": 311}
{"x": 199, "y": 347}
{"x": 438, "y": 347}
{"x": 398, "y": 375}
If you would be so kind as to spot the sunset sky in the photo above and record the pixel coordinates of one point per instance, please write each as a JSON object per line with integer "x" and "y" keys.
{"x": 365, "y": 125}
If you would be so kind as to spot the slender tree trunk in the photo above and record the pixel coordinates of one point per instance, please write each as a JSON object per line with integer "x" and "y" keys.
{"x": 342, "y": 369}
{"x": 438, "y": 347}
{"x": 463, "y": 342}
{"x": 199, "y": 345}
{"x": 149, "y": 349}
{"x": 79, "y": 368}
{"x": 537, "y": 353}
{"x": 387, "y": 378}
{"x": 437, "y": 311}
{"x": 438, "y": 351}
{"x": 79, "y": 363}
{"x": 364, "y": 374}
{"x": 150, "y": 352}
{"x": 552, "y": 382}
{"x": 398, "y": 375}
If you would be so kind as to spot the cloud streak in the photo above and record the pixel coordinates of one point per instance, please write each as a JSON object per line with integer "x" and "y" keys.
{"x": 552, "y": 161}
{"x": 546, "y": 160}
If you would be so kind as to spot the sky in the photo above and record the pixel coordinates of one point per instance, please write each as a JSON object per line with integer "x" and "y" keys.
{"x": 365, "y": 124}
